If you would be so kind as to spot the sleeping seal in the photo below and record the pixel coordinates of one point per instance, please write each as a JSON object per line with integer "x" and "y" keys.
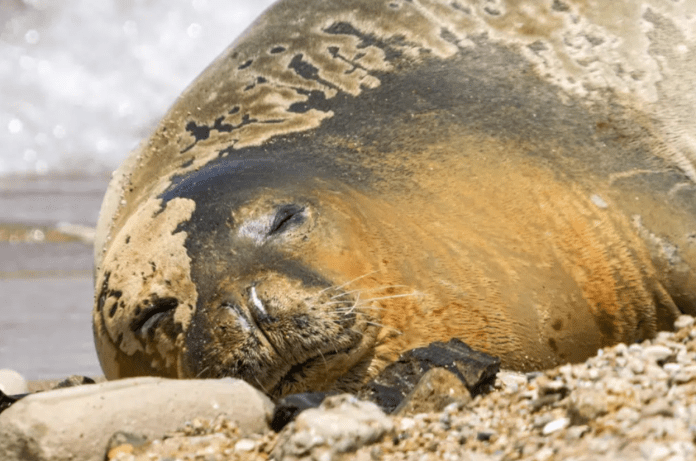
{"x": 352, "y": 179}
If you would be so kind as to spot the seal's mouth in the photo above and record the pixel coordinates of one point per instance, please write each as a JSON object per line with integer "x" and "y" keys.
{"x": 299, "y": 371}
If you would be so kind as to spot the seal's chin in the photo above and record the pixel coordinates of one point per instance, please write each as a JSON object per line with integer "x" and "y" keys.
{"x": 317, "y": 367}
{"x": 280, "y": 336}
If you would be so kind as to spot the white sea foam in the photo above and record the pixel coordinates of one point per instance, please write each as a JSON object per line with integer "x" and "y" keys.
{"x": 82, "y": 81}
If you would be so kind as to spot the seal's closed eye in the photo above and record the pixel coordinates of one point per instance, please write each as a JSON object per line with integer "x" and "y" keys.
{"x": 286, "y": 216}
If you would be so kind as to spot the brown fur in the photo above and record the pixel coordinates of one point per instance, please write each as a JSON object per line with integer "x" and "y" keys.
{"x": 512, "y": 205}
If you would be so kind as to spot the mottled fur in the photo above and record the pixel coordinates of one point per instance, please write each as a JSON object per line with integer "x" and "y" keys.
{"x": 352, "y": 179}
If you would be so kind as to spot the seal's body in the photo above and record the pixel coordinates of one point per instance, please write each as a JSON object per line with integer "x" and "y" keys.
{"x": 353, "y": 179}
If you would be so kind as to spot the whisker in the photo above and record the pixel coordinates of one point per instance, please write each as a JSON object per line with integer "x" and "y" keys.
{"x": 390, "y": 297}
{"x": 333, "y": 302}
{"x": 384, "y": 326}
{"x": 367, "y": 289}
{"x": 256, "y": 378}
{"x": 357, "y": 332}
{"x": 363, "y": 306}
{"x": 323, "y": 359}
{"x": 357, "y": 300}
{"x": 348, "y": 282}
{"x": 200, "y": 373}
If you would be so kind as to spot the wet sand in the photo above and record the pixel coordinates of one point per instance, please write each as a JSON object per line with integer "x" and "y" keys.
{"x": 46, "y": 274}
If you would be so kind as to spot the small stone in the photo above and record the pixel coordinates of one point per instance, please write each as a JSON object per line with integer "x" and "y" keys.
{"x": 587, "y": 405}
{"x": 511, "y": 381}
{"x": 576, "y": 432}
{"x": 437, "y": 389}
{"x": 555, "y": 425}
{"x": 672, "y": 368}
{"x": 683, "y": 321}
{"x": 543, "y": 454}
{"x": 485, "y": 436}
{"x": 125, "y": 449}
{"x": 406, "y": 424}
{"x": 658, "y": 408}
{"x": 244, "y": 445}
{"x": 74, "y": 380}
{"x": 12, "y": 383}
{"x": 654, "y": 451}
{"x": 376, "y": 453}
{"x": 477, "y": 370}
{"x": 289, "y": 407}
{"x": 657, "y": 353}
{"x": 123, "y": 442}
{"x": 636, "y": 366}
{"x": 342, "y": 424}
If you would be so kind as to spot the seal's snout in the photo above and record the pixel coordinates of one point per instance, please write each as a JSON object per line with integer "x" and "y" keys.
{"x": 276, "y": 331}
{"x": 252, "y": 315}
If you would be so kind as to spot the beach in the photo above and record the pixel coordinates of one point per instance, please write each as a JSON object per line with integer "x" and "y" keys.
{"x": 81, "y": 83}
{"x": 46, "y": 274}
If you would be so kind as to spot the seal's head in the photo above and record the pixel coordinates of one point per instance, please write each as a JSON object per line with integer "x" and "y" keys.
{"x": 272, "y": 284}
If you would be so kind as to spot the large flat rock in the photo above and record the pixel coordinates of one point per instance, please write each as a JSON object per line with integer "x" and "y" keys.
{"x": 76, "y": 423}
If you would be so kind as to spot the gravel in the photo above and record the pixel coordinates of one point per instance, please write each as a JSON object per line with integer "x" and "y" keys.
{"x": 634, "y": 402}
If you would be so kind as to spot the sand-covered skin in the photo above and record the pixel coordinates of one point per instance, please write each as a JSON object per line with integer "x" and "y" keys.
{"x": 628, "y": 402}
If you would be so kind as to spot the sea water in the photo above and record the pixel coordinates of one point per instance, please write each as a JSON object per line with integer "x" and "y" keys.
{"x": 81, "y": 83}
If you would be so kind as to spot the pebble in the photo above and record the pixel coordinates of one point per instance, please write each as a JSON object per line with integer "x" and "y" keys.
{"x": 76, "y": 423}
{"x": 624, "y": 404}
{"x": 342, "y": 424}
{"x": 657, "y": 353}
{"x": 244, "y": 445}
{"x": 436, "y": 390}
{"x": 12, "y": 383}
{"x": 632, "y": 402}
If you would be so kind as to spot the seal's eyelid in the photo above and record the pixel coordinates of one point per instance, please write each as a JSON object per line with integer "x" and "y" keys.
{"x": 286, "y": 216}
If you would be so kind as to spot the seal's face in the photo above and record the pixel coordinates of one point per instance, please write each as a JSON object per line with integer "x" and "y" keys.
{"x": 372, "y": 176}
{"x": 277, "y": 287}
{"x": 272, "y": 318}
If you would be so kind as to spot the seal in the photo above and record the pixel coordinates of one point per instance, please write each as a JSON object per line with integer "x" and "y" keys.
{"x": 353, "y": 179}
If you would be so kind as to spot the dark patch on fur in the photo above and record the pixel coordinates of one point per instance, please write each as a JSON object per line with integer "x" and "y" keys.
{"x": 246, "y": 64}
{"x": 606, "y": 324}
{"x": 344, "y": 28}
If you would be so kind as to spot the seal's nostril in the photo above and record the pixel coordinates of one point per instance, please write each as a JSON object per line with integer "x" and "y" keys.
{"x": 151, "y": 315}
{"x": 257, "y": 308}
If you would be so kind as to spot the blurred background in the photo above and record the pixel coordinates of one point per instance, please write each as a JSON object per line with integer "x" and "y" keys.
{"x": 81, "y": 83}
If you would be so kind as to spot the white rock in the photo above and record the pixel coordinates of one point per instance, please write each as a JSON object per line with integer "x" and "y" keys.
{"x": 657, "y": 352}
{"x": 12, "y": 383}
{"x": 511, "y": 380}
{"x": 244, "y": 445}
{"x": 555, "y": 425}
{"x": 75, "y": 423}
{"x": 684, "y": 321}
{"x": 407, "y": 424}
{"x": 342, "y": 424}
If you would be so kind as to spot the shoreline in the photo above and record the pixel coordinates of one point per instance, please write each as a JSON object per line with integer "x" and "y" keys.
{"x": 46, "y": 270}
